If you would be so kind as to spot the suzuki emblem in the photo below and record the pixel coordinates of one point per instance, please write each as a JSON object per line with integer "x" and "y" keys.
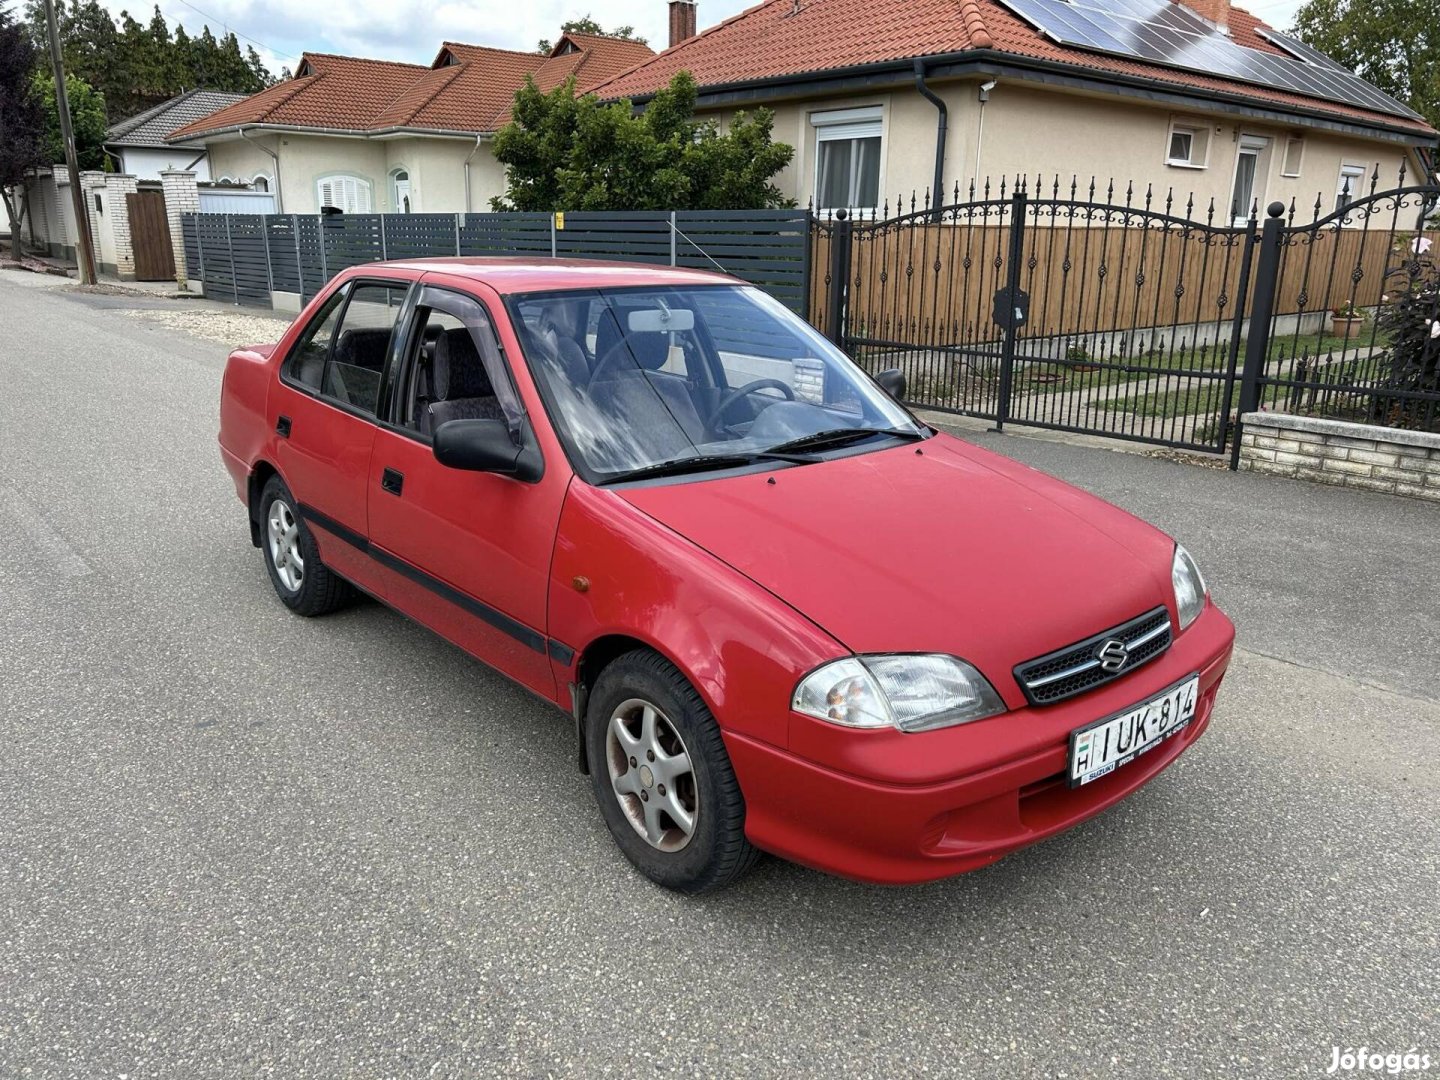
{"x": 1113, "y": 655}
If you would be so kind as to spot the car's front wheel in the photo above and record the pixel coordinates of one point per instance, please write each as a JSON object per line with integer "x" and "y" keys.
{"x": 304, "y": 584}
{"x": 662, "y": 777}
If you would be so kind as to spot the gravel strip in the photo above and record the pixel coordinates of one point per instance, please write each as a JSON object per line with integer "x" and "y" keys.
{"x": 228, "y": 327}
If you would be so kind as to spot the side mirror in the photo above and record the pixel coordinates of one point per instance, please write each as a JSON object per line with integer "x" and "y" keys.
{"x": 486, "y": 446}
{"x": 892, "y": 381}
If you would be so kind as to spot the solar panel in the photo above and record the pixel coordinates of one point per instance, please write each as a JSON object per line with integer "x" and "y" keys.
{"x": 1297, "y": 48}
{"x": 1163, "y": 32}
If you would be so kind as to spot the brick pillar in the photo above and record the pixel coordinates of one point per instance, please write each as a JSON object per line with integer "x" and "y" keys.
{"x": 117, "y": 186}
{"x": 182, "y": 196}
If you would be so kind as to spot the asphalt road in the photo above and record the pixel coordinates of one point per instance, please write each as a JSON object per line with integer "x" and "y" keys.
{"x": 238, "y": 843}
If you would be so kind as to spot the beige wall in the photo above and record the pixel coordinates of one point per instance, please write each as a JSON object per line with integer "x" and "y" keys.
{"x": 1031, "y": 130}
{"x": 235, "y": 159}
{"x": 436, "y": 167}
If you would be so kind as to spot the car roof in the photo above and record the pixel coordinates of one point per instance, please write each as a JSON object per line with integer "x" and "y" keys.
{"x": 526, "y": 275}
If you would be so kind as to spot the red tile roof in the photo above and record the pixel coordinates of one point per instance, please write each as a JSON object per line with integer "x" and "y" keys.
{"x": 780, "y": 38}
{"x": 468, "y": 88}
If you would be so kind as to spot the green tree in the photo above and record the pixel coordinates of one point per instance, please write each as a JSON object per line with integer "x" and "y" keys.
{"x": 21, "y": 121}
{"x": 87, "y": 120}
{"x": 1394, "y": 44}
{"x": 586, "y": 25}
{"x": 563, "y": 152}
{"x": 137, "y": 65}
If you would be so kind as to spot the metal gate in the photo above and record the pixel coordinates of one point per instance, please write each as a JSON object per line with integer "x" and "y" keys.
{"x": 1137, "y": 316}
{"x": 150, "y": 236}
{"x": 1079, "y": 309}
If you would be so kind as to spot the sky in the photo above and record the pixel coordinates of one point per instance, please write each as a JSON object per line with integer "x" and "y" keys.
{"x": 412, "y": 30}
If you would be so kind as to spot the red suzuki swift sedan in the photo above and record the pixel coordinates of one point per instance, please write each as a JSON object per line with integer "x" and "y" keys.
{"x": 783, "y": 613}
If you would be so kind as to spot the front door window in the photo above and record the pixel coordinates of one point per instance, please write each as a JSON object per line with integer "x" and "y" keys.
{"x": 402, "y": 191}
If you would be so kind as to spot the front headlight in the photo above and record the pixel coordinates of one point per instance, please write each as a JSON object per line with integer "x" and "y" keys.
{"x": 1189, "y": 587}
{"x": 912, "y": 693}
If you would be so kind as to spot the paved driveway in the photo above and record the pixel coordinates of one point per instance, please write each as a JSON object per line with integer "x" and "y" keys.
{"x": 238, "y": 843}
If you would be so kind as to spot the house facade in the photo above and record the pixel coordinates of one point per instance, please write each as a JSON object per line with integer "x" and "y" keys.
{"x": 375, "y": 136}
{"x": 885, "y": 99}
{"x": 137, "y": 146}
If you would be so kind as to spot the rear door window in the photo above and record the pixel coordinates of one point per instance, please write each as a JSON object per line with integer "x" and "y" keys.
{"x": 306, "y": 364}
{"x": 361, "y": 346}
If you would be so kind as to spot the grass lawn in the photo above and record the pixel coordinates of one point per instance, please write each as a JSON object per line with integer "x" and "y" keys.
{"x": 1054, "y": 378}
{"x": 1164, "y": 404}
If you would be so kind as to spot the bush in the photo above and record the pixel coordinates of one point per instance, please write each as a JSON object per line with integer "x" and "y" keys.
{"x": 1411, "y": 319}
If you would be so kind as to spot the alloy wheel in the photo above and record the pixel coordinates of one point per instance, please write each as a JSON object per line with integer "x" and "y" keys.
{"x": 283, "y": 533}
{"x": 651, "y": 775}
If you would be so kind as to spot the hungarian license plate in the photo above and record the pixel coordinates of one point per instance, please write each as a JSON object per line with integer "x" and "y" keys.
{"x": 1102, "y": 747}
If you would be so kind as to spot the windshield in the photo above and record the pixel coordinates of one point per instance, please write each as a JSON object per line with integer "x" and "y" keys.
{"x": 640, "y": 379}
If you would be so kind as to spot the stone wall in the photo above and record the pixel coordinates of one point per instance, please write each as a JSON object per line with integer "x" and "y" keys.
{"x": 1389, "y": 460}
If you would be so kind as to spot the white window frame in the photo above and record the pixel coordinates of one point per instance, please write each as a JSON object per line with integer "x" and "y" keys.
{"x": 1259, "y": 146}
{"x": 1199, "y": 133}
{"x": 1293, "y": 141}
{"x": 354, "y": 193}
{"x": 269, "y": 183}
{"x": 845, "y": 125}
{"x": 1349, "y": 170}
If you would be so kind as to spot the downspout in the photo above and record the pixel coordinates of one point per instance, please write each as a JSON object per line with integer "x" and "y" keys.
{"x": 942, "y": 127}
{"x": 279, "y": 191}
{"x": 473, "y": 151}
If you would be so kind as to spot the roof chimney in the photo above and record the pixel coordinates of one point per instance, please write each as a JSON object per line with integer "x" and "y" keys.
{"x": 682, "y": 21}
{"x": 1215, "y": 11}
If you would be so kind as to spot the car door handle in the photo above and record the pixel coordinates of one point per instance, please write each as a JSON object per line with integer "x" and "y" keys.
{"x": 392, "y": 481}
{"x": 282, "y": 427}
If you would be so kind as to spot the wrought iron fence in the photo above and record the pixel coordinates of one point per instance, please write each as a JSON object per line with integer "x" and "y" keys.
{"x": 1366, "y": 280}
{"x": 1128, "y": 313}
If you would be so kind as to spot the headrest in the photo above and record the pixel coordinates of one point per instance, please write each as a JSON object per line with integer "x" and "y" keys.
{"x": 457, "y": 370}
{"x": 649, "y": 348}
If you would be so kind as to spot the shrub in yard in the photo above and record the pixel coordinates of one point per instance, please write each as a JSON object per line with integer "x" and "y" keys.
{"x": 1411, "y": 320}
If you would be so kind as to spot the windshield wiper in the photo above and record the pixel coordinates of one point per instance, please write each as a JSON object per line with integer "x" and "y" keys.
{"x": 824, "y": 440}
{"x": 704, "y": 463}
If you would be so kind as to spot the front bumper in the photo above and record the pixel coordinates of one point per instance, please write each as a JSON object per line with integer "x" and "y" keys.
{"x": 872, "y": 828}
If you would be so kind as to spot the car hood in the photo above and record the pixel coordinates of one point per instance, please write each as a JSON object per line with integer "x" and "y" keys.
{"x": 931, "y": 547}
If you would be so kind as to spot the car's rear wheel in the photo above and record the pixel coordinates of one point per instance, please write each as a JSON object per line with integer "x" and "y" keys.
{"x": 304, "y": 584}
{"x": 662, "y": 777}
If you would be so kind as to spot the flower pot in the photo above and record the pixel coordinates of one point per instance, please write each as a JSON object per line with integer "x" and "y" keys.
{"x": 1346, "y": 328}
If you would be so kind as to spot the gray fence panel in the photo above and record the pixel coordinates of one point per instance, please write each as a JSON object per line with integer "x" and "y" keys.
{"x": 350, "y": 240}
{"x": 250, "y": 263}
{"x": 297, "y": 253}
{"x": 419, "y": 236}
{"x": 505, "y": 234}
{"x": 213, "y": 244}
{"x": 280, "y": 233}
{"x": 768, "y": 248}
{"x": 191, "y": 240}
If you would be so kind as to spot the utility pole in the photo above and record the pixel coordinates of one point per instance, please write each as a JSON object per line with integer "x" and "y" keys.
{"x": 84, "y": 250}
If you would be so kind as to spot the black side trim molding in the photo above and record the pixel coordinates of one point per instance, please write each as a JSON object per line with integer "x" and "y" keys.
{"x": 333, "y": 527}
{"x": 561, "y": 654}
{"x": 532, "y": 639}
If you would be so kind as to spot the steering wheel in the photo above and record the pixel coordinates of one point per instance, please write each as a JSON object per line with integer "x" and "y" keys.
{"x": 739, "y": 392}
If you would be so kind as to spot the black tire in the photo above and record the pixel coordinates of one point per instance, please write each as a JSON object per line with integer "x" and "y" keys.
{"x": 321, "y": 590}
{"x": 716, "y": 853}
